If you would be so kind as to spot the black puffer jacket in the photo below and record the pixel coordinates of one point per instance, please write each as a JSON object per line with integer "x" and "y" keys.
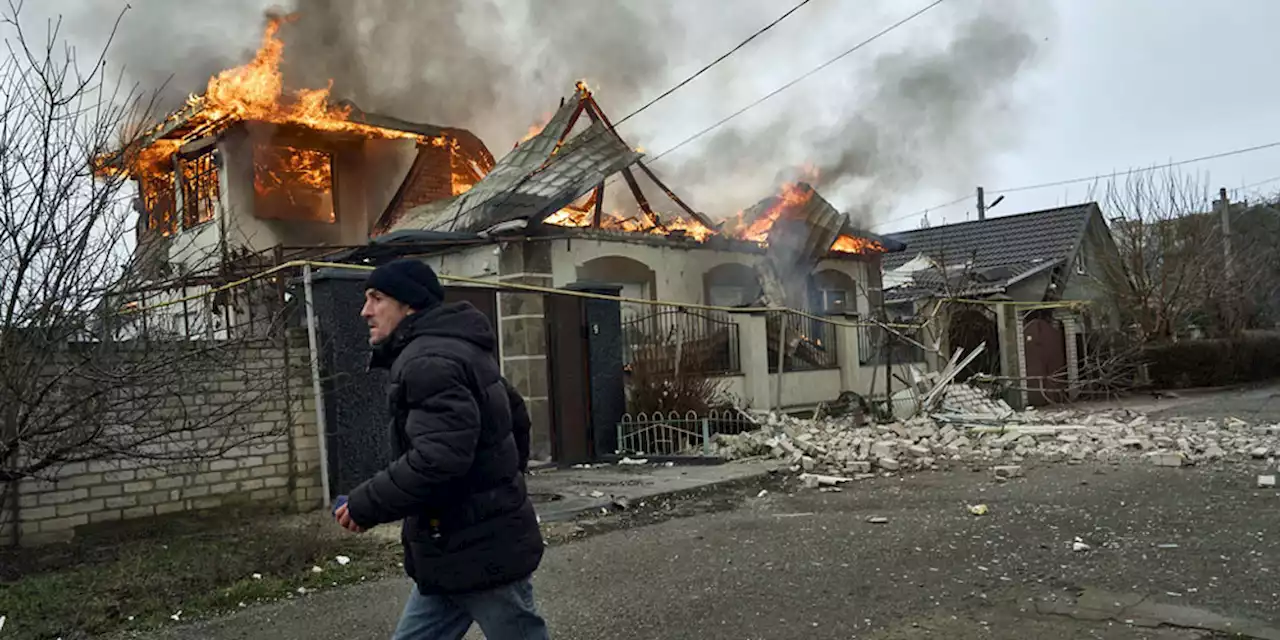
{"x": 460, "y": 438}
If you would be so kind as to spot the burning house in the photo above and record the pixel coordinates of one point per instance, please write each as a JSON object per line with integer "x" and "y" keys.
{"x": 247, "y": 167}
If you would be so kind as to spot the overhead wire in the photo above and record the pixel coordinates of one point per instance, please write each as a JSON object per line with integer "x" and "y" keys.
{"x": 612, "y": 130}
{"x": 1112, "y": 174}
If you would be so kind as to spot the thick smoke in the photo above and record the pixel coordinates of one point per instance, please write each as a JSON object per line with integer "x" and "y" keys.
{"x": 926, "y": 115}
{"x": 926, "y": 108}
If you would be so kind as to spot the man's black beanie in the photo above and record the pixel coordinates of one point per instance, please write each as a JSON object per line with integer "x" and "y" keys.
{"x": 409, "y": 281}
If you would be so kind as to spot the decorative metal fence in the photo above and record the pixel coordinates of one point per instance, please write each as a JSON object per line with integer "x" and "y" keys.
{"x": 678, "y": 340}
{"x": 677, "y": 434}
{"x": 810, "y": 343}
{"x": 872, "y": 349}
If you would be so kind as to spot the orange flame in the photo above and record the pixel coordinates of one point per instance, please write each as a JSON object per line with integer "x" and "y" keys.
{"x": 255, "y": 91}
{"x": 852, "y": 244}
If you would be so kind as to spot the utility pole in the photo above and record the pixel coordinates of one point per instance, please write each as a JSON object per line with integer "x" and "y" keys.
{"x": 982, "y": 204}
{"x": 1224, "y": 209}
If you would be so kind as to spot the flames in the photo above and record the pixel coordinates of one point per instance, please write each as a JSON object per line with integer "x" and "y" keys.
{"x": 255, "y": 91}
{"x": 852, "y": 244}
{"x": 791, "y": 201}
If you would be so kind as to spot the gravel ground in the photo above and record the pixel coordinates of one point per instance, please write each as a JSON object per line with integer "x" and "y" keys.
{"x": 796, "y": 563}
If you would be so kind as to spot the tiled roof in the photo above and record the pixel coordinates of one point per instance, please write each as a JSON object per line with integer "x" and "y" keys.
{"x": 993, "y": 252}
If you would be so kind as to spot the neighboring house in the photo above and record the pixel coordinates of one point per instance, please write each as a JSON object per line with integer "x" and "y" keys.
{"x": 1004, "y": 264}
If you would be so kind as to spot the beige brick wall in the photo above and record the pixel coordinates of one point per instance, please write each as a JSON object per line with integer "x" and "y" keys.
{"x": 278, "y": 464}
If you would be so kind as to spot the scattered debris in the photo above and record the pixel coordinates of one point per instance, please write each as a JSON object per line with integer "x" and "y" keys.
{"x": 763, "y": 493}
{"x": 633, "y": 461}
{"x": 961, "y": 423}
{"x": 2, "y": 619}
{"x": 1259, "y": 453}
{"x": 302, "y": 591}
{"x": 878, "y": 520}
{"x": 343, "y": 560}
{"x": 1007, "y": 471}
{"x": 317, "y": 569}
{"x": 978, "y": 509}
{"x": 597, "y": 494}
{"x": 257, "y": 576}
{"x": 1266, "y": 482}
{"x": 177, "y": 616}
{"x": 1167, "y": 545}
{"x": 813, "y": 480}
{"x": 1079, "y": 545}
{"x": 622, "y": 502}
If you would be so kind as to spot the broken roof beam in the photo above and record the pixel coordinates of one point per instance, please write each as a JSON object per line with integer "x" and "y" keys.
{"x": 640, "y": 199}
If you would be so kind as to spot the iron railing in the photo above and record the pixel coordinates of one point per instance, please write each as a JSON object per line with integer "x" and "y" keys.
{"x": 810, "y": 343}
{"x": 675, "y": 340}
{"x": 676, "y": 434}
{"x": 872, "y": 351}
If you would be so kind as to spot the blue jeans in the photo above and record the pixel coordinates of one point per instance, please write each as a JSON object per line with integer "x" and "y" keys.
{"x": 504, "y": 613}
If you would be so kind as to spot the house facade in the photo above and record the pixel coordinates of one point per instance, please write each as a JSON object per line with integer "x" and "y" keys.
{"x": 1030, "y": 286}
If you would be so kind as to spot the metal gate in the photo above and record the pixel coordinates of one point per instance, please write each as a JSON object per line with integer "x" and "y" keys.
{"x": 1046, "y": 362}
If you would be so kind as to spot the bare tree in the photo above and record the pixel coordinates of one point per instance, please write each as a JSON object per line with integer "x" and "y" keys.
{"x": 72, "y": 390}
{"x": 1161, "y": 274}
{"x": 1173, "y": 270}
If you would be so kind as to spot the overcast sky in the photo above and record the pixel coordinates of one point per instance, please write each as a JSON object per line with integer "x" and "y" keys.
{"x": 1037, "y": 90}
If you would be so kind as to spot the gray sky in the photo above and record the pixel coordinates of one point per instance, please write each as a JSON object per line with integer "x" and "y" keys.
{"x": 1036, "y": 90}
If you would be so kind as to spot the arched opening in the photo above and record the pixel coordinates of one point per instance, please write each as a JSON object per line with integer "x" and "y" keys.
{"x": 832, "y": 292}
{"x": 636, "y": 278}
{"x": 971, "y": 326}
{"x": 731, "y": 285}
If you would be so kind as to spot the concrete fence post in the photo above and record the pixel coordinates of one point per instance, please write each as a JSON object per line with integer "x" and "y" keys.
{"x": 847, "y": 347}
{"x": 753, "y": 346}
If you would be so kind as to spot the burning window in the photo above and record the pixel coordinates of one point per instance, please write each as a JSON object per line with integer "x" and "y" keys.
{"x": 199, "y": 189}
{"x": 159, "y": 203}
{"x": 293, "y": 184}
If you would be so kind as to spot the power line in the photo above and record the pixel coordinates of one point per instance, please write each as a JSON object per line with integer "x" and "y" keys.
{"x": 712, "y": 63}
{"x": 1060, "y": 183}
{"x": 796, "y": 81}
{"x": 648, "y": 104}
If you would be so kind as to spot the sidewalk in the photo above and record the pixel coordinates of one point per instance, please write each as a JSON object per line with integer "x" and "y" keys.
{"x": 562, "y": 494}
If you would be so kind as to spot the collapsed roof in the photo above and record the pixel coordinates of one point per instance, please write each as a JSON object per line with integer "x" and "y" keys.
{"x": 536, "y": 179}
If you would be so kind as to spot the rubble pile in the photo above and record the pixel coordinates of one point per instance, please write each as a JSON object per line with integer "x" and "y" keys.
{"x": 969, "y": 427}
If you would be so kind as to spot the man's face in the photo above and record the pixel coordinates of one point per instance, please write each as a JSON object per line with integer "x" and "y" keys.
{"x": 383, "y": 314}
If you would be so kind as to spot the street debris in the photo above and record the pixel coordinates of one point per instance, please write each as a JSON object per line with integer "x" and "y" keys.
{"x": 317, "y": 569}
{"x": 257, "y": 576}
{"x": 633, "y": 461}
{"x": 343, "y": 560}
{"x": 878, "y": 520}
{"x": 1079, "y": 545}
{"x": 978, "y": 509}
{"x": 176, "y": 617}
{"x": 962, "y": 424}
{"x": 1266, "y": 482}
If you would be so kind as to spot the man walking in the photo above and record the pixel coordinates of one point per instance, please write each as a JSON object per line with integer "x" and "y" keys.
{"x": 460, "y": 437}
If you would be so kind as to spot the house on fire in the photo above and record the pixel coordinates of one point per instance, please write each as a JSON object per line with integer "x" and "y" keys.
{"x": 1018, "y": 266}
{"x": 242, "y": 179}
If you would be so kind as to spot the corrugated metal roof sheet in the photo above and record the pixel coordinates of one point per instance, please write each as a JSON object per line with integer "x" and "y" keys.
{"x": 530, "y": 182}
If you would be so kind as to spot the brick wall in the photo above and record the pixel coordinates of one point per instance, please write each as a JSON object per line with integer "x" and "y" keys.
{"x": 275, "y": 461}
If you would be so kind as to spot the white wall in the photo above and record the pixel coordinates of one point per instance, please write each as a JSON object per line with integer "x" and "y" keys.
{"x": 678, "y": 271}
{"x": 479, "y": 262}
{"x": 807, "y": 388}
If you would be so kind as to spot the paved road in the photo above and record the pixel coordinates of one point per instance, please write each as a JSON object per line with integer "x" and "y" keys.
{"x": 797, "y": 563}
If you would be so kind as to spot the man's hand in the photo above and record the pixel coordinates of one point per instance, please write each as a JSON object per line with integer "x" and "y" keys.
{"x": 344, "y": 518}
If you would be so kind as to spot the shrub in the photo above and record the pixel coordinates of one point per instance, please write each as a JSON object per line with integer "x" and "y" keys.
{"x": 1212, "y": 363}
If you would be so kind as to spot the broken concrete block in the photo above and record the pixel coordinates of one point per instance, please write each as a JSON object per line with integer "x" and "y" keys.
{"x": 1258, "y": 453}
{"x": 1266, "y": 482}
{"x": 888, "y": 464}
{"x": 1007, "y": 471}
{"x": 919, "y": 451}
{"x": 1167, "y": 458}
{"x": 882, "y": 449}
{"x": 808, "y": 463}
{"x": 858, "y": 467}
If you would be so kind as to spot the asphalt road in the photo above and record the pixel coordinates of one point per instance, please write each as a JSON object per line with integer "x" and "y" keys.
{"x": 796, "y": 563}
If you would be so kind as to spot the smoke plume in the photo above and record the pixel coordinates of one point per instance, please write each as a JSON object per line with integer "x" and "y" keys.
{"x": 928, "y": 107}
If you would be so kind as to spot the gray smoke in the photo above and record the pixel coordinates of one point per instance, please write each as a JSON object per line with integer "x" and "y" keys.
{"x": 921, "y": 116}
{"x": 928, "y": 107}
